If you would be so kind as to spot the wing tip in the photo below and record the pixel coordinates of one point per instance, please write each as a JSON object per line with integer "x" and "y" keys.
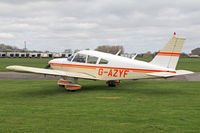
{"x": 11, "y": 67}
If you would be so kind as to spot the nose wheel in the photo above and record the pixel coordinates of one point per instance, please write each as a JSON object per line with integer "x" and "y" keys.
{"x": 68, "y": 85}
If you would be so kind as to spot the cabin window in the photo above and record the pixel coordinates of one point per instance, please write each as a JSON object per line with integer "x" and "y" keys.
{"x": 80, "y": 58}
{"x": 92, "y": 59}
{"x": 63, "y": 55}
{"x": 103, "y": 61}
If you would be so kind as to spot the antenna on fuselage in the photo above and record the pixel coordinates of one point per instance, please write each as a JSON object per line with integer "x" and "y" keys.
{"x": 118, "y": 52}
{"x": 134, "y": 57}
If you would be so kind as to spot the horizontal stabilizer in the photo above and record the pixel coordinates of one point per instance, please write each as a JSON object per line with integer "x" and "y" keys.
{"x": 50, "y": 72}
{"x": 168, "y": 74}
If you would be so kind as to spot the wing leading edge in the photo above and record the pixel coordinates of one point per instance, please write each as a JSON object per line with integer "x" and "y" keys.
{"x": 50, "y": 72}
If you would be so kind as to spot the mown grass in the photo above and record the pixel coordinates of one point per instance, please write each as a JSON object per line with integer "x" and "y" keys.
{"x": 144, "y": 106}
{"x": 192, "y": 64}
{"x": 34, "y": 62}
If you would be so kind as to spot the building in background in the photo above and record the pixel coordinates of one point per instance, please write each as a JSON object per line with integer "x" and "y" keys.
{"x": 34, "y": 55}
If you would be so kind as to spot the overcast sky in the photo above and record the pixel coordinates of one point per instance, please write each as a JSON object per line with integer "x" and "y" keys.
{"x": 138, "y": 25}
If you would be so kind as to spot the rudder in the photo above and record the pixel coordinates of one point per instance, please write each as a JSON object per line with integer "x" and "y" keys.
{"x": 168, "y": 57}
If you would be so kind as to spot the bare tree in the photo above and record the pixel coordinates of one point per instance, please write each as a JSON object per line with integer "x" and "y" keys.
{"x": 76, "y": 50}
{"x": 4, "y": 48}
{"x": 196, "y": 51}
{"x": 68, "y": 51}
{"x": 110, "y": 49}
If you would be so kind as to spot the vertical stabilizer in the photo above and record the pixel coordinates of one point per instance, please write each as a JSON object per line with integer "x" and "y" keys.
{"x": 169, "y": 55}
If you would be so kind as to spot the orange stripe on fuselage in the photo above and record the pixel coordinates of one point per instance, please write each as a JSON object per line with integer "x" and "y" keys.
{"x": 95, "y": 67}
{"x": 168, "y": 54}
{"x": 72, "y": 65}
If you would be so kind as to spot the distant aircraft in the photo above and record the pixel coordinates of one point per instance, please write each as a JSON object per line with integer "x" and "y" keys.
{"x": 94, "y": 65}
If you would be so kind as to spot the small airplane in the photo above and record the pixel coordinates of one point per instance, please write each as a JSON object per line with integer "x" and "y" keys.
{"x": 95, "y": 65}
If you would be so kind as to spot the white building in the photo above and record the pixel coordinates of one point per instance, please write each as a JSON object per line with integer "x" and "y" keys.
{"x": 34, "y": 55}
{"x": 2, "y": 54}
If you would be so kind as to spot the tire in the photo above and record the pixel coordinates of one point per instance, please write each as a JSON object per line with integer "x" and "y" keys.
{"x": 111, "y": 84}
{"x": 61, "y": 85}
{"x": 71, "y": 90}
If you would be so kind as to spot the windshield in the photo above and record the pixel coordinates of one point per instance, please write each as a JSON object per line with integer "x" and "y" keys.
{"x": 80, "y": 58}
{"x": 70, "y": 58}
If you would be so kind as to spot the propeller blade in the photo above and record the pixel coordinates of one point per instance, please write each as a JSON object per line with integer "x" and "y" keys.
{"x": 48, "y": 66}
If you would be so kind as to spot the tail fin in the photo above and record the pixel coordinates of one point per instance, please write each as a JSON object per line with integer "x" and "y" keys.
{"x": 169, "y": 55}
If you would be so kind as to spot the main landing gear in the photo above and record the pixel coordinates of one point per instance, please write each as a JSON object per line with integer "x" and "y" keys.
{"x": 69, "y": 85}
{"x": 113, "y": 83}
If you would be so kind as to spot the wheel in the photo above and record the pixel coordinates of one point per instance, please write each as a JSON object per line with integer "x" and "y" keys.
{"x": 61, "y": 85}
{"x": 71, "y": 90}
{"x": 111, "y": 84}
{"x": 73, "y": 87}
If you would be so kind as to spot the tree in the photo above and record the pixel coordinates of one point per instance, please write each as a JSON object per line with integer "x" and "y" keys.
{"x": 7, "y": 48}
{"x": 184, "y": 54}
{"x": 76, "y": 50}
{"x": 148, "y": 54}
{"x": 196, "y": 51}
{"x": 110, "y": 49}
{"x": 68, "y": 51}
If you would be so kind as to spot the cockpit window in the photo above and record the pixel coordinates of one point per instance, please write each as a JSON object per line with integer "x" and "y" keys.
{"x": 103, "y": 61}
{"x": 92, "y": 59}
{"x": 70, "y": 58}
{"x": 79, "y": 58}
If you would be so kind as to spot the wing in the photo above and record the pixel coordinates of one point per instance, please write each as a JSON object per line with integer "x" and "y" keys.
{"x": 167, "y": 74}
{"x": 50, "y": 72}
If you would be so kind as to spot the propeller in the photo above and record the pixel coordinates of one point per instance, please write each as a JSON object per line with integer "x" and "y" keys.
{"x": 48, "y": 66}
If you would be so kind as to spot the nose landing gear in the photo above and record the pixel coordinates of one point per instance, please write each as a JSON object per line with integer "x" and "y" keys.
{"x": 62, "y": 82}
{"x": 69, "y": 85}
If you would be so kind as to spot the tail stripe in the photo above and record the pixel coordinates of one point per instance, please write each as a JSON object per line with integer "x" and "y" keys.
{"x": 168, "y": 54}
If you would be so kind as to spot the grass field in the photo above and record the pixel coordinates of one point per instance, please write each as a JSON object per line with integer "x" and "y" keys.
{"x": 137, "y": 106}
{"x": 192, "y": 64}
{"x": 35, "y": 62}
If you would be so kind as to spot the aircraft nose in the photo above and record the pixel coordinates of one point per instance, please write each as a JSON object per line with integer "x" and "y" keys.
{"x": 49, "y": 64}
{"x": 51, "y": 61}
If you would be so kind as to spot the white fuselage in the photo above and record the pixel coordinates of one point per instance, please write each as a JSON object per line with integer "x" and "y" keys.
{"x": 117, "y": 67}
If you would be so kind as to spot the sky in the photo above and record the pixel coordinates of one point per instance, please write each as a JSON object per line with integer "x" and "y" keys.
{"x": 138, "y": 25}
